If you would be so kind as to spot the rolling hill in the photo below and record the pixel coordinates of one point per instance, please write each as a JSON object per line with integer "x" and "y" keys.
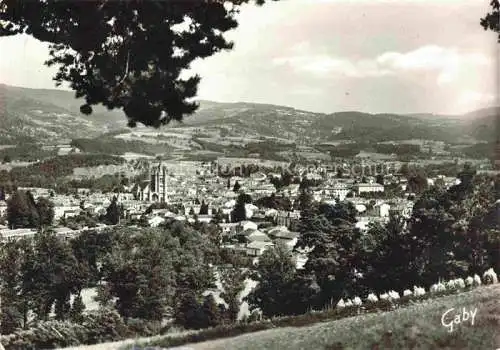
{"x": 51, "y": 115}
{"x": 28, "y": 115}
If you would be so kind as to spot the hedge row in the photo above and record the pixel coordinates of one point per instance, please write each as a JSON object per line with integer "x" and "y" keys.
{"x": 312, "y": 317}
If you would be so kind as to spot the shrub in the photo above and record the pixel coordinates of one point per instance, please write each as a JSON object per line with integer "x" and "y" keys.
{"x": 450, "y": 285}
{"x": 469, "y": 281}
{"x": 393, "y": 295}
{"x": 490, "y": 277}
{"x": 143, "y": 328}
{"x": 372, "y": 298}
{"x": 357, "y": 301}
{"x": 460, "y": 283}
{"x": 438, "y": 288}
{"x": 105, "y": 326}
{"x": 418, "y": 291}
{"x": 47, "y": 335}
{"x": 477, "y": 281}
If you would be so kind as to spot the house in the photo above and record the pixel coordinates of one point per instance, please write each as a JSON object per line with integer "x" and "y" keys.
{"x": 383, "y": 209}
{"x": 13, "y": 235}
{"x": 65, "y": 232}
{"x": 245, "y": 225}
{"x": 339, "y": 190}
{"x": 72, "y": 212}
{"x": 277, "y": 230}
{"x": 256, "y": 248}
{"x": 403, "y": 208}
{"x": 205, "y": 218}
{"x": 251, "y": 235}
{"x": 364, "y": 221}
{"x": 285, "y": 218}
{"x": 156, "y": 221}
{"x": 228, "y": 229}
{"x": 66, "y": 211}
{"x": 250, "y": 209}
{"x": 282, "y": 235}
{"x": 369, "y": 187}
{"x": 300, "y": 261}
{"x": 271, "y": 213}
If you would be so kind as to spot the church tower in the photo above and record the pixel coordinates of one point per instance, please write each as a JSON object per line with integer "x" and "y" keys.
{"x": 158, "y": 183}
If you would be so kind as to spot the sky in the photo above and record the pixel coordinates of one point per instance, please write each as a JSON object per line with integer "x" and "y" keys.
{"x": 390, "y": 56}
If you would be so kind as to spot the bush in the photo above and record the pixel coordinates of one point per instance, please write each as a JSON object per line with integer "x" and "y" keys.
{"x": 105, "y": 326}
{"x": 143, "y": 328}
{"x": 47, "y": 335}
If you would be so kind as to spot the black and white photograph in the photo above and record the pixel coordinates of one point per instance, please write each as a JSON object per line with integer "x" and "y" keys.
{"x": 249, "y": 174}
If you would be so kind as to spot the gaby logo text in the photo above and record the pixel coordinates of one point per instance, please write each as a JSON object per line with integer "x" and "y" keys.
{"x": 453, "y": 317}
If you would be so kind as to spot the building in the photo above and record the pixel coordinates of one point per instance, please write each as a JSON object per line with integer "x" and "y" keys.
{"x": 256, "y": 248}
{"x": 369, "y": 187}
{"x": 155, "y": 188}
{"x": 286, "y": 218}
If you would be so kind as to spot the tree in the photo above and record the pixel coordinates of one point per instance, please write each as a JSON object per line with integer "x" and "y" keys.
{"x": 304, "y": 201}
{"x": 51, "y": 275}
{"x": 113, "y": 212}
{"x": 239, "y": 212}
{"x": 77, "y": 309}
{"x": 127, "y": 55}
{"x": 236, "y": 187}
{"x": 189, "y": 313}
{"x": 204, "y": 208}
{"x": 417, "y": 183}
{"x": 233, "y": 282}
{"x": 388, "y": 256}
{"x": 211, "y": 312}
{"x": 14, "y": 304}
{"x": 274, "y": 202}
{"x": 218, "y": 216}
{"x": 280, "y": 290}
{"x": 22, "y": 211}
{"x": 139, "y": 272}
{"x": 336, "y": 252}
{"x": 90, "y": 250}
{"x": 150, "y": 269}
{"x": 45, "y": 210}
{"x": 491, "y": 20}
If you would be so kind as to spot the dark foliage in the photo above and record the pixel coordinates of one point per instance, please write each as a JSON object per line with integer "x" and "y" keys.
{"x": 491, "y": 20}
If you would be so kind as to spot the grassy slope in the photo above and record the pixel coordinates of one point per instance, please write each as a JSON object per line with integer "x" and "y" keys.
{"x": 415, "y": 327}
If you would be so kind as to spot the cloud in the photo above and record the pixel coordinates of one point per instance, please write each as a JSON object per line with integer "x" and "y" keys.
{"x": 469, "y": 97}
{"x": 324, "y": 65}
{"x": 446, "y": 63}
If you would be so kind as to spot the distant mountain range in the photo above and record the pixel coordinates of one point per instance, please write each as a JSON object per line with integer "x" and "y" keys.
{"x": 49, "y": 115}
{"x": 52, "y": 115}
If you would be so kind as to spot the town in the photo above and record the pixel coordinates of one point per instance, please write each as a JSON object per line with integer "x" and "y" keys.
{"x": 249, "y": 174}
